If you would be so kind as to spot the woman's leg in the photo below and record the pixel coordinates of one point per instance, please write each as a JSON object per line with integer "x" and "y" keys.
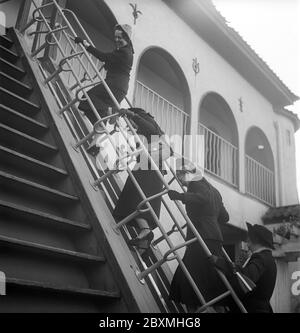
{"x": 145, "y": 236}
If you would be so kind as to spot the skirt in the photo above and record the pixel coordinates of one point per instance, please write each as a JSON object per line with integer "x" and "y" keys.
{"x": 130, "y": 197}
{"x": 202, "y": 272}
{"x": 101, "y": 100}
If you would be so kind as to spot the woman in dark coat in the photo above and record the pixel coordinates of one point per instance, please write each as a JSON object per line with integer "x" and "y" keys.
{"x": 205, "y": 208}
{"x": 261, "y": 269}
{"x": 148, "y": 180}
{"x": 118, "y": 65}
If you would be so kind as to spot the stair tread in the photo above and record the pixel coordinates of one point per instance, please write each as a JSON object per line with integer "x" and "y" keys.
{"x": 14, "y": 54}
{"x": 42, "y": 215}
{"x": 50, "y": 249}
{"x": 28, "y": 137}
{"x": 23, "y": 85}
{"x": 29, "y": 103}
{"x": 6, "y": 38}
{"x": 34, "y": 161}
{"x": 37, "y": 186}
{"x": 26, "y": 118}
{"x": 19, "y": 69}
{"x": 64, "y": 289}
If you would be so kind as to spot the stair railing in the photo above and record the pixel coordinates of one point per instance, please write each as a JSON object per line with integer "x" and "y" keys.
{"x": 101, "y": 121}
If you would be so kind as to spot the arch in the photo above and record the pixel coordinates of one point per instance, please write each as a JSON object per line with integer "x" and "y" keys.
{"x": 215, "y": 112}
{"x": 259, "y": 166}
{"x": 161, "y": 62}
{"x": 97, "y": 19}
{"x": 162, "y": 89}
{"x": 257, "y": 146}
{"x": 221, "y": 140}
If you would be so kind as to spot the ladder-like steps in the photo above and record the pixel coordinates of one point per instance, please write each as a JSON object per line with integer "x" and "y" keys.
{"x": 81, "y": 292}
{"x": 10, "y": 210}
{"x": 11, "y": 84}
{"x": 21, "y": 122}
{"x": 13, "y": 183}
{"x": 8, "y": 54}
{"x": 6, "y": 41}
{"x": 49, "y": 251}
{"x": 19, "y": 103}
{"x": 34, "y": 170}
{"x": 36, "y": 196}
{"x": 26, "y": 144}
{"x": 11, "y": 69}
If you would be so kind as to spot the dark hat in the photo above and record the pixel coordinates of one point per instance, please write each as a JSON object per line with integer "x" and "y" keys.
{"x": 260, "y": 234}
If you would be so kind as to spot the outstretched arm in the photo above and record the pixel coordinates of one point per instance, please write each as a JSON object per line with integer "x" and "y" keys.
{"x": 201, "y": 197}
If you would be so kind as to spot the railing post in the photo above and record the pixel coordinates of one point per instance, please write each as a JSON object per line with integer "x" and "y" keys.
{"x": 23, "y": 15}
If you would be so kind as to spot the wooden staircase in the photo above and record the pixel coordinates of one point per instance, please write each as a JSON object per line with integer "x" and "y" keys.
{"x": 50, "y": 255}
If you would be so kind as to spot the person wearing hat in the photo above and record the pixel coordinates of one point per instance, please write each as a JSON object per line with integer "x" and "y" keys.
{"x": 205, "y": 208}
{"x": 261, "y": 269}
{"x": 146, "y": 177}
{"x": 118, "y": 64}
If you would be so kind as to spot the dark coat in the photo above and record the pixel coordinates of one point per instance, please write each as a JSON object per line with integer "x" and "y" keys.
{"x": 118, "y": 64}
{"x": 262, "y": 270}
{"x": 205, "y": 208}
{"x": 148, "y": 180}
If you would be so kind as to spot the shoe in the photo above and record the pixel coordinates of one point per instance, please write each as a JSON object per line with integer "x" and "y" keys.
{"x": 142, "y": 243}
{"x": 93, "y": 150}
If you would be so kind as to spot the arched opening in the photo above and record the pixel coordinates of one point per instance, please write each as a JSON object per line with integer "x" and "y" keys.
{"x": 162, "y": 89}
{"x": 97, "y": 19}
{"x": 217, "y": 124}
{"x": 259, "y": 166}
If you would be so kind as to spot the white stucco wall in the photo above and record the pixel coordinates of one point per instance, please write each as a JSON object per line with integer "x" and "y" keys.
{"x": 160, "y": 26}
{"x": 287, "y": 161}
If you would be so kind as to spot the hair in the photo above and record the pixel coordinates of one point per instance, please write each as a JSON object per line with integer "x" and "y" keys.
{"x": 126, "y": 37}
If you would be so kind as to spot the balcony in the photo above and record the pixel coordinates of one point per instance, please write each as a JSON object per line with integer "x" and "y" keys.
{"x": 259, "y": 167}
{"x": 260, "y": 181}
{"x": 221, "y": 157}
{"x": 172, "y": 119}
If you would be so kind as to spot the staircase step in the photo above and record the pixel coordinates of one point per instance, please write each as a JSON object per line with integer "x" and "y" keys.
{"x": 10, "y": 99}
{"x": 13, "y": 85}
{"x": 8, "y": 55}
{"x": 20, "y": 122}
{"x": 12, "y": 70}
{"x": 40, "y": 249}
{"x": 35, "y": 216}
{"x": 26, "y": 144}
{"x": 47, "y": 287}
{"x": 22, "y": 165}
{"x": 6, "y": 41}
{"x": 16, "y": 184}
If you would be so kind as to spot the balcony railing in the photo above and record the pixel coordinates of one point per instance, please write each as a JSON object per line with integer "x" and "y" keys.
{"x": 221, "y": 157}
{"x": 260, "y": 181}
{"x": 172, "y": 119}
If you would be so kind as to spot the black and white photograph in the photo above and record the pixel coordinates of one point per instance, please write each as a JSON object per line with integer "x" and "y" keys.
{"x": 150, "y": 159}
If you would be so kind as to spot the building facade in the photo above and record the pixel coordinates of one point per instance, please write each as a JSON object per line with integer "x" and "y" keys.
{"x": 197, "y": 76}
